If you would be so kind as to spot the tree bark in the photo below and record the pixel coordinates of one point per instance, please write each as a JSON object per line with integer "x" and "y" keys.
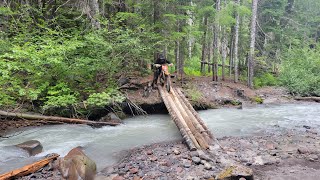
{"x": 54, "y": 118}
{"x": 94, "y": 12}
{"x": 236, "y": 45}
{"x": 252, "y": 42}
{"x": 204, "y": 47}
{"x": 216, "y": 44}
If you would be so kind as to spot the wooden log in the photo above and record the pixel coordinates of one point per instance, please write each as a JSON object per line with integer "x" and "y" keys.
{"x": 200, "y": 139}
{"x": 316, "y": 99}
{"x": 28, "y": 169}
{"x": 194, "y": 120}
{"x": 174, "y": 117}
{"x": 194, "y": 112}
{"x": 55, "y": 118}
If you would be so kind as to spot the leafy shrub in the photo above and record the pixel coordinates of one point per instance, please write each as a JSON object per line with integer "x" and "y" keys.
{"x": 266, "y": 79}
{"x": 300, "y": 71}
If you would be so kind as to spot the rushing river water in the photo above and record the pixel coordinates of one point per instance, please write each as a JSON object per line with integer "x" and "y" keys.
{"x": 104, "y": 144}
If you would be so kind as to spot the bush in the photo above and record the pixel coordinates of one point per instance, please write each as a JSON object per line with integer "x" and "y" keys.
{"x": 300, "y": 71}
{"x": 266, "y": 79}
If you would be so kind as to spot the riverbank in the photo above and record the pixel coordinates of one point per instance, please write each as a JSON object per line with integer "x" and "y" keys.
{"x": 292, "y": 154}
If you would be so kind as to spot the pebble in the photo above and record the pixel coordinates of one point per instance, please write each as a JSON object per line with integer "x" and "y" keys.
{"x": 149, "y": 152}
{"x": 176, "y": 152}
{"x": 134, "y": 170}
{"x": 196, "y": 160}
{"x": 207, "y": 166}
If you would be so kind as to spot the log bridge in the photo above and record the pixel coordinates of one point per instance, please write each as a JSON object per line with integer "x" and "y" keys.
{"x": 193, "y": 130}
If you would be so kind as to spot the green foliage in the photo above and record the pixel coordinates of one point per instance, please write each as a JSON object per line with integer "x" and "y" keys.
{"x": 300, "y": 71}
{"x": 257, "y": 99}
{"x": 111, "y": 96}
{"x": 265, "y": 79}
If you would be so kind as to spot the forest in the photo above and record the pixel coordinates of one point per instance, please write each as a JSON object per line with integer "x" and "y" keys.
{"x": 58, "y": 54}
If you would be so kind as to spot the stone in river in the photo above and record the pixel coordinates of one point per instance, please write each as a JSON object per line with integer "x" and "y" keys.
{"x": 33, "y": 147}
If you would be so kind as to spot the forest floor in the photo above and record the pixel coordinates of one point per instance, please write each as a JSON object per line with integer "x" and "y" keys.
{"x": 290, "y": 155}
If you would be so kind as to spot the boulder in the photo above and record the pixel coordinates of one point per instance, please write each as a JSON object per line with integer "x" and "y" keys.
{"x": 235, "y": 172}
{"x": 33, "y": 147}
{"x": 76, "y": 165}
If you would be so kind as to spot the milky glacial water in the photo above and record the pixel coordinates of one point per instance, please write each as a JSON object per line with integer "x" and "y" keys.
{"x": 104, "y": 145}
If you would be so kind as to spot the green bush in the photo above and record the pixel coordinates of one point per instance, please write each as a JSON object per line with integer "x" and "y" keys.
{"x": 266, "y": 79}
{"x": 300, "y": 71}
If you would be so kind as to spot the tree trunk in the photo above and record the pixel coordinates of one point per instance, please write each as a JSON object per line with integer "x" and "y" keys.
{"x": 224, "y": 52}
{"x": 28, "y": 169}
{"x": 236, "y": 45}
{"x": 93, "y": 13}
{"x": 204, "y": 47}
{"x": 252, "y": 42}
{"x": 216, "y": 44}
{"x": 231, "y": 52}
{"x": 54, "y": 118}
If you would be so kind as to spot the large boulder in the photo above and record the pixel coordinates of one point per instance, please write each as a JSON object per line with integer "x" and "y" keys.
{"x": 76, "y": 165}
{"x": 235, "y": 172}
{"x": 33, "y": 147}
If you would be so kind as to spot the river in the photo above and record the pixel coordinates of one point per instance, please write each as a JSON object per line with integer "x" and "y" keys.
{"x": 104, "y": 145}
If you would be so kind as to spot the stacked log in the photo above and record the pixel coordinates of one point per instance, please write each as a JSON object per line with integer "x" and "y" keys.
{"x": 192, "y": 128}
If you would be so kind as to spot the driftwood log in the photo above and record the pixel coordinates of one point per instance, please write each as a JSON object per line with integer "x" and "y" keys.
{"x": 28, "y": 169}
{"x": 55, "y": 118}
{"x": 316, "y": 99}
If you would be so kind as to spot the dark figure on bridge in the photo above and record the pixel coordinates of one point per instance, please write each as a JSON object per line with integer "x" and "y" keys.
{"x": 157, "y": 70}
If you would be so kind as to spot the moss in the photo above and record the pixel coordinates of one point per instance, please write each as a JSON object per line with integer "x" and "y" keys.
{"x": 226, "y": 173}
{"x": 257, "y": 99}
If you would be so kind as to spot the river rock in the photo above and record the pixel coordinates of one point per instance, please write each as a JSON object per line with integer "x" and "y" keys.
{"x": 76, "y": 165}
{"x": 196, "y": 160}
{"x": 207, "y": 166}
{"x": 33, "y": 147}
{"x": 176, "y": 152}
{"x": 235, "y": 172}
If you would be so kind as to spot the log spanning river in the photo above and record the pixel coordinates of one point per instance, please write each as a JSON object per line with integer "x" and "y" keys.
{"x": 104, "y": 145}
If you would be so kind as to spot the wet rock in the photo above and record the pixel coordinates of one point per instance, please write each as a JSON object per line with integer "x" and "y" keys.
{"x": 307, "y": 127}
{"x": 235, "y": 172}
{"x": 196, "y": 160}
{"x": 33, "y": 147}
{"x": 77, "y": 165}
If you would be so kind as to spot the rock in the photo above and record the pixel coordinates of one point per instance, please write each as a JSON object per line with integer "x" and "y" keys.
{"x": 176, "y": 152}
{"x": 179, "y": 169}
{"x": 118, "y": 178}
{"x": 235, "y": 172}
{"x": 194, "y": 154}
{"x": 207, "y": 166}
{"x": 196, "y": 160}
{"x": 33, "y": 147}
{"x": 258, "y": 160}
{"x": 136, "y": 178}
{"x": 303, "y": 150}
{"x": 108, "y": 170}
{"x": 76, "y": 165}
{"x": 186, "y": 163}
{"x": 313, "y": 157}
{"x": 114, "y": 117}
{"x": 203, "y": 155}
{"x": 153, "y": 158}
{"x": 149, "y": 152}
{"x": 134, "y": 170}
{"x": 270, "y": 146}
{"x": 307, "y": 127}
{"x": 311, "y": 131}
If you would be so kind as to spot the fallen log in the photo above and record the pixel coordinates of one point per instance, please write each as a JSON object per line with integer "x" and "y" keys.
{"x": 176, "y": 118}
{"x": 183, "y": 111}
{"x": 316, "y": 99}
{"x": 195, "y": 122}
{"x": 28, "y": 169}
{"x": 55, "y": 118}
{"x": 194, "y": 112}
